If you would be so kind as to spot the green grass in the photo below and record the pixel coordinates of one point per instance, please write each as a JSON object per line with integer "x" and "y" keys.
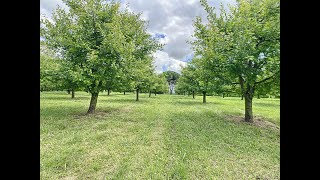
{"x": 162, "y": 137}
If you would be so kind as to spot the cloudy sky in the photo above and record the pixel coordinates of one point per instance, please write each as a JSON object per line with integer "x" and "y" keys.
{"x": 169, "y": 20}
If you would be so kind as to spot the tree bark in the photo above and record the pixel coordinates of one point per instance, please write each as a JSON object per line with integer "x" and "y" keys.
{"x": 124, "y": 93}
{"x": 72, "y": 93}
{"x": 248, "y": 115}
{"x": 193, "y": 94}
{"x": 150, "y": 93}
{"x": 204, "y": 97}
{"x": 93, "y": 103}
{"x": 137, "y": 97}
{"x": 108, "y": 92}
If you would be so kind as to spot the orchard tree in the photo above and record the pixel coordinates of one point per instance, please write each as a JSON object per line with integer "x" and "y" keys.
{"x": 49, "y": 66}
{"x": 152, "y": 80}
{"x": 98, "y": 38}
{"x": 188, "y": 81}
{"x": 140, "y": 75}
{"x": 56, "y": 73}
{"x": 204, "y": 77}
{"x": 124, "y": 83}
{"x": 161, "y": 84}
{"x": 69, "y": 77}
{"x": 48, "y": 73}
{"x": 245, "y": 44}
{"x": 181, "y": 86}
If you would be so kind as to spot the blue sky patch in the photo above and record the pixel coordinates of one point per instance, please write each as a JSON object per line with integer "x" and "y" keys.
{"x": 188, "y": 57}
{"x": 159, "y": 35}
{"x": 164, "y": 68}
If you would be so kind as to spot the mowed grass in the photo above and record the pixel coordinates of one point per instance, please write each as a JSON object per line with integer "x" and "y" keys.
{"x": 161, "y": 137}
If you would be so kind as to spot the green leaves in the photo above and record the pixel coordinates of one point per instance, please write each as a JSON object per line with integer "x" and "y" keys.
{"x": 231, "y": 44}
{"x": 98, "y": 42}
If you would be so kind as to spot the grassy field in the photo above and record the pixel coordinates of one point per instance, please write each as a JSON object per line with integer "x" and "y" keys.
{"x": 161, "y": 137}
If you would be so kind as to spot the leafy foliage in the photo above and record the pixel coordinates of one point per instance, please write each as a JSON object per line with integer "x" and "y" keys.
{"x": 98, "y": 41}
{"x": 239, "y": 47}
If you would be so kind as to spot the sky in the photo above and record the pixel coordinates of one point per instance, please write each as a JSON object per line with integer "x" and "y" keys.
{"x": 168, "y": 20}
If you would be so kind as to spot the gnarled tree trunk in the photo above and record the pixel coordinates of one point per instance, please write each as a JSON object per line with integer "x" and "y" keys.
{"x": 204, "y": 96}
{"x": 248, "y": 95}
{"x": 93, "y": 103}
{"x": 72, "y": 93}
{"x": 137, "y": 95}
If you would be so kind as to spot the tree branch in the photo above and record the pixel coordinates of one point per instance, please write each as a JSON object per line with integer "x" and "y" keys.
{"x": 266, "y": 79}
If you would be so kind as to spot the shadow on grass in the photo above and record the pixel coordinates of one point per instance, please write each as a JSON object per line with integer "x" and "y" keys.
{"x": 102, "y": 113}
{"x": 195, "y": 102}
{"x": 76, "y": 112}
{"x": 266, "y": 104}
{"x": 65, "y": 98}
{"x": 127, "y": 101}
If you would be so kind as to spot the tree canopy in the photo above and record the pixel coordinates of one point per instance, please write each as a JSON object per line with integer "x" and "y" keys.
{"x": 241, "y": 46}
{"x": 101, "y": 41}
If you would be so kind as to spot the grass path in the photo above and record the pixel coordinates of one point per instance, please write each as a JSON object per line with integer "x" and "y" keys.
{"x": 162, "y": 137}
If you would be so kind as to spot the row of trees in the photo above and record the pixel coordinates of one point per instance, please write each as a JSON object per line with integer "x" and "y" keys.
{"x": 236, "y": 52}
{"x": 56, "y": 75}
{"x": 95, "y": 47}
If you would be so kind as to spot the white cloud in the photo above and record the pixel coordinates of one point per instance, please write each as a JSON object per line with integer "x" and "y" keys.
{"x": 47, "y": 6}
{"x": 163, "y": 60}
{"x": 170, "y": 17}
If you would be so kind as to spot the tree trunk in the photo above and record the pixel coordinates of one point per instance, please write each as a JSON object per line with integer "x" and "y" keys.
{"x": 258, "y": 96}
{"x": 93, "y": 103}
{"x": 155, "y": 93}
{"x": 150, "y": 93}
{"x": 68, "y": 91}
{"x": 242, "y": 97}
{"x": 248, "y": 116}
{"x": 193, "y": 94}
{"x": 137, "y": 97}
{"x": 204, "y": 97}
{"x": 72, "y": 93}
{"x": 124, "y": 93}
{"x": 222, "y": 95}
{"x": 108, "y": 92}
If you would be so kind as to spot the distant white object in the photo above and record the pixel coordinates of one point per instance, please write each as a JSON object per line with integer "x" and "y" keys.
{"x": 171, "y": 87}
